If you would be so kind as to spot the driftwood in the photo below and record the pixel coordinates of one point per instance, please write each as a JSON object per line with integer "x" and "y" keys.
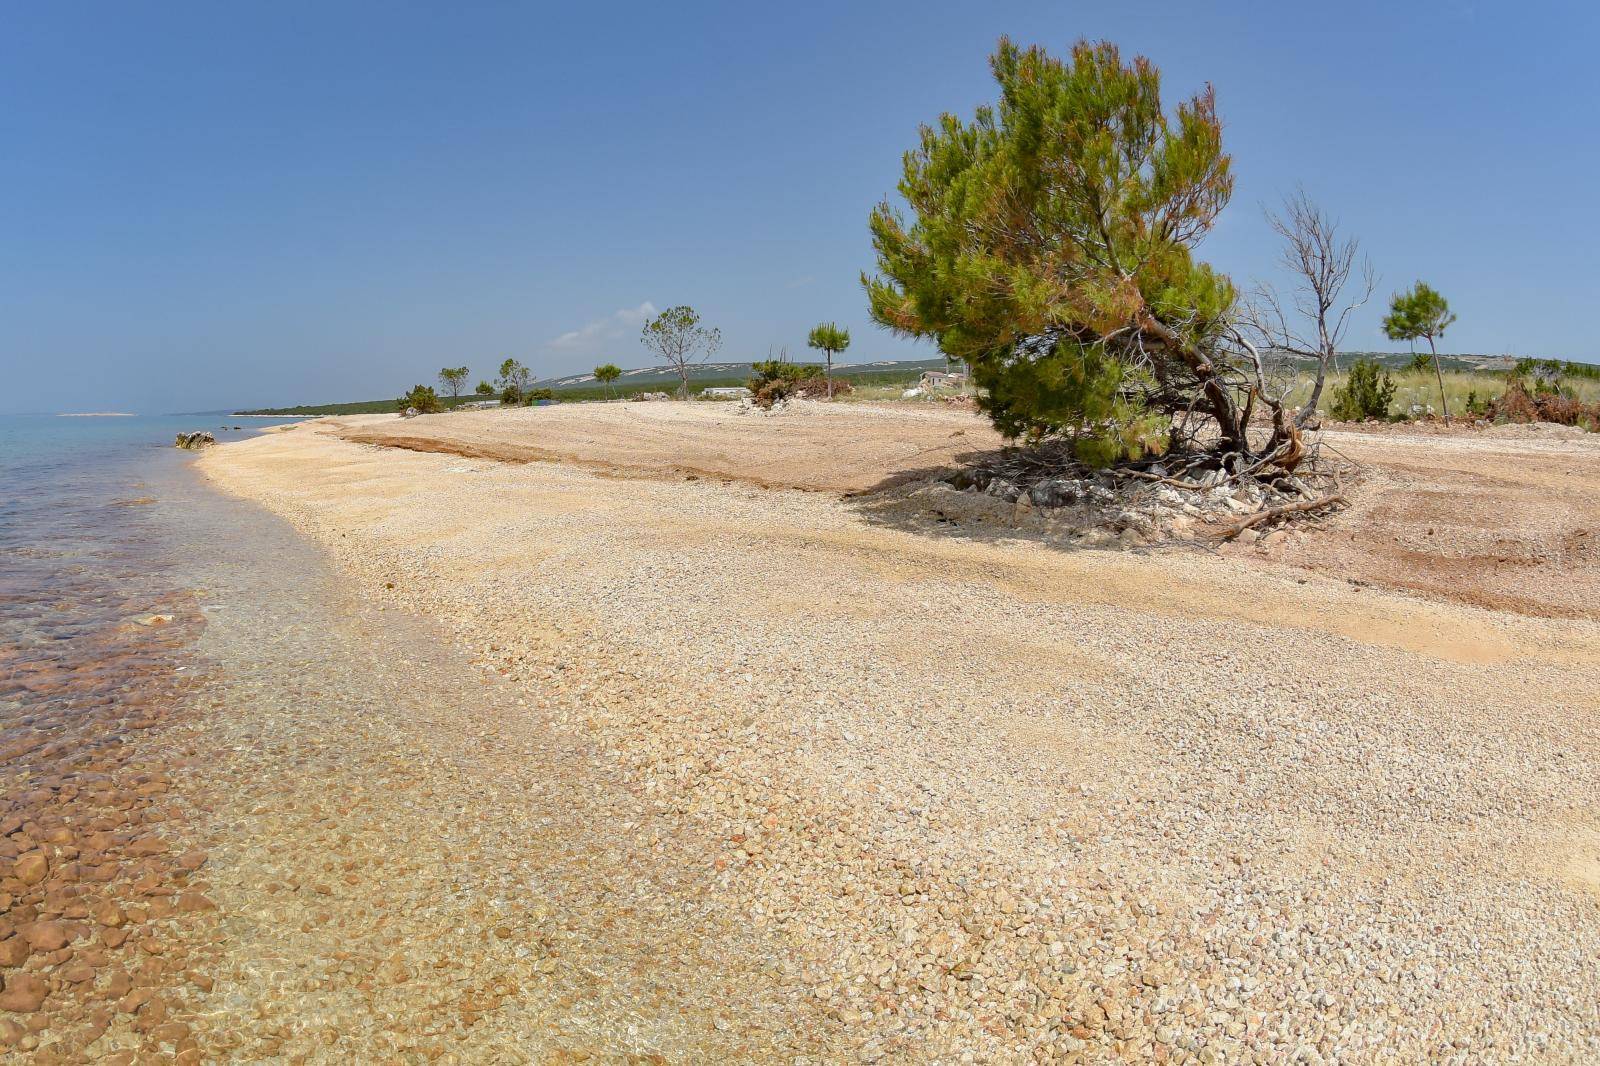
{"x": 1179, "y": 482}
{"x": 1278, "y": 512}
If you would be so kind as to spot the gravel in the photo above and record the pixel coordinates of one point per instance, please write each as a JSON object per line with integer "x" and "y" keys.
{"x": 995, "y": 801}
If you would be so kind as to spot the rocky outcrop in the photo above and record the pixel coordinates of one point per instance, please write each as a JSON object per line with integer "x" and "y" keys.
{"x": 194, "y": 441}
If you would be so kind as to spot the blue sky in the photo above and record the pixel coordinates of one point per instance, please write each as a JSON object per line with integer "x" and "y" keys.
{"x": 207, "y": 204}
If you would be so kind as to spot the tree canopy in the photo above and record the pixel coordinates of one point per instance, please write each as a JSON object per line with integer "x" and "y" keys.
{"x": 606, "y": 373}
{"x": 1418, "y": 313}
{"x": 1051, "y": 248}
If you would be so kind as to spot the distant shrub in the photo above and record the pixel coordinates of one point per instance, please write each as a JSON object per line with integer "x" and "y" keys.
{"x": 1367, "y": 393}
{"x": 766, "y": 371}
{"x": 422, "y": 397}
{"x": 773, "y": 392}
{"x": 772, "y": 380}
{"x": 815, "y": 387}
{"x": 1554, "y": 369}
{"x": 533, "y": 396}
{"x": 1547, "y": 404}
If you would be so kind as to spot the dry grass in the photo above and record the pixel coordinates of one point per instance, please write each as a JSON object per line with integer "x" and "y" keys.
{"x": 1421, "y": 388}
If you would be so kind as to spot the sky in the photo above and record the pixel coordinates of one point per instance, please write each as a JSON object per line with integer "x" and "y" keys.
{"x": 208, "y": 205}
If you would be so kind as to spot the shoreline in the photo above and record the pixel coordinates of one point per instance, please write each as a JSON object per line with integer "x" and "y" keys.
{"x": 383, "y": 807}
{"x": 919, "y": 825}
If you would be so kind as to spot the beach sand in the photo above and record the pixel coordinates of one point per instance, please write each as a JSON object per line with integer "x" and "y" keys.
{"x": 950, "y": 795}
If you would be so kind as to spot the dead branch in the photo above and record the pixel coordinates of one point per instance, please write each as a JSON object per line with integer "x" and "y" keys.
{"x": 1147, "y": 476}
{"x": 1278, "y": 512}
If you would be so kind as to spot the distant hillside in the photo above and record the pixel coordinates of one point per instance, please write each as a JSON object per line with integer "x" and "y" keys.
{"x": 355, "y": 407}
{"x": 643, "y": 379}
{"x": 705, "y": 373}
{"x": 881, "y": 372}
{"x": 1447, "y": 360}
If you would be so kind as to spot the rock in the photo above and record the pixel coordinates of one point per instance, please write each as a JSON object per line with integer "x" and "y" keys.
{"x": 191, "y": 902}
{"x": 13, "y": 951}
{"x": 109, "y": 914}
{"x": 1001, "y": 489}
{"x": 32, "y": 868}
{"x": 147, "y": 845}
{"x": 194, "y": 441}
{"x": 1058, "y": 492}
{"x": 44, "y": 936}
{"x": 24, "y": 993}
{"x": 78, "y": 973}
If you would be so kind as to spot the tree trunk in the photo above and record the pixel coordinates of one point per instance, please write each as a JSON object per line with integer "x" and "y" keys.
{"x": 1223, "y": 409}
{"x": 1438, "y": 370}
{"x": 829, "y": 355}
{"x": 1309, "y": 412}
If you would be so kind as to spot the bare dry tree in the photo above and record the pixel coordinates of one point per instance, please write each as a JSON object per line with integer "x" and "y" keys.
{"x": 1322, "y": 263}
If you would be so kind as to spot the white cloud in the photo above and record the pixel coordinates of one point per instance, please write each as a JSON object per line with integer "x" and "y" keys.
{"x": 611, "y": 327}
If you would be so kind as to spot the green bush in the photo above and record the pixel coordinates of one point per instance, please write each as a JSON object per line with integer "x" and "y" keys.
{"x": 767, "y": 371}
{"x": 772, "y": 380}
{"x": 535, "y": 395}
{"x": 422, "y": 397}
{"x": 1367, "y": 393}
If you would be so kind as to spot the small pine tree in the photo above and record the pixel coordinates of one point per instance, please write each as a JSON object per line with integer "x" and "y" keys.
{"x": 828, "y": 337}
{"x": 606, "y": 373}
{"x": 1421, "y": 312}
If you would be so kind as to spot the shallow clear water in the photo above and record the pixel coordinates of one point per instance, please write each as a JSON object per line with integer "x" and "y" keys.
{"x": 405, "y": 859}
{"x": 85, "y": 554}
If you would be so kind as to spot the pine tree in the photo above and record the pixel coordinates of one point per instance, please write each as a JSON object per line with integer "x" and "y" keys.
{"x": 1051, "y": 249}
{"x": 1421, "y": 311}
{"x": 828, "y": 337}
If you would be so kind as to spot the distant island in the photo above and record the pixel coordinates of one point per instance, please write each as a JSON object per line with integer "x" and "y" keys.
{"x": 96, "y": 414}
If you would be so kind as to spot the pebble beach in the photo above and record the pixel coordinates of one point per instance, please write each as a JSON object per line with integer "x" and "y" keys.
{"x": 747, "y": 775}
